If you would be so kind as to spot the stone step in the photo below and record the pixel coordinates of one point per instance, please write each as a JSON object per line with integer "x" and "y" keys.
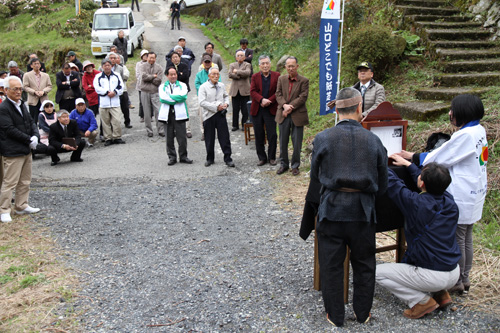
{"x": 457, "y": 34}
{"x": 471, "y": 66}
{"x": 447, "y": 25}
{"x": 410, "y": 10}
{"x": 422, "y": 110}
{"x": 454, "y": 54}
{"x": 423, "y": 3}
{"x": 469, "y": 79}
{"x": 433, "y": 18}
{"x": 447, "y": 94}
{"x": 466, "y": 44}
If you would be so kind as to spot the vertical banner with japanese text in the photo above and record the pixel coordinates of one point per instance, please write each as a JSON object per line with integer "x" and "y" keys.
{"x": 328, "y": 47}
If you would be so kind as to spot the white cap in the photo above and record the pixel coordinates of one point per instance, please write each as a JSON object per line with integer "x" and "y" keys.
{"x": 79, "y": 100}
{"x": 42, "y": 107}
{"x": 143, "y": 52}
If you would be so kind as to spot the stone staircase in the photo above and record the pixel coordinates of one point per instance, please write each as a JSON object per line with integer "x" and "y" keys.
{"x": 469, "y": 62}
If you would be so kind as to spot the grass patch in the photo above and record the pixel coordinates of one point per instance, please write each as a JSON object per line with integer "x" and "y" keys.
{"x": 32, "y": 281}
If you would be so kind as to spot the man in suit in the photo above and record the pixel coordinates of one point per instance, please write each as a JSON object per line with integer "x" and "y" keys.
{"x": 186, "y": 54}
{"x": 18, "y": 135}
{"x": 239, "y": 72}
{"x": 373, "y": 93}
{"x": 291, "y": 94}
{"x": 68, "y": 87}
{"x": 263, "y": 110}
{"x": 37, "y": 84}
{"x": 66, "y": 128}
{"x": 248, "y": 52}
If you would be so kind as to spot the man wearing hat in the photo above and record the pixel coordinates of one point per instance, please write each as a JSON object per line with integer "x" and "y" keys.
{"x": 37, "y": 84}
{"x": 186, "y": 52}
{"x": 85, "y": 120}
{"x": 3, "y": 74}
{"x": 63, "y": 129}
{"x": 350, "y": 162}
{"x": 72, "y": 58}
{"x": 109, "y": 87}
{"x": 373, "y": 93}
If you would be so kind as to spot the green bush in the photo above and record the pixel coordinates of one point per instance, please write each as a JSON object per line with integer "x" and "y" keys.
{"x": 371, "y": 43}
{"x": 4, "y": 11}
{"x": 89, "y": 5}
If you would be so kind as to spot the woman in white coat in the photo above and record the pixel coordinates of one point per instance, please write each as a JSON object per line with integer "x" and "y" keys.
{"x": 466, "y": 156}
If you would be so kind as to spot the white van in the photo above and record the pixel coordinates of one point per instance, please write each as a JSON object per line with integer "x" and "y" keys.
{"x": 106, "y": 24}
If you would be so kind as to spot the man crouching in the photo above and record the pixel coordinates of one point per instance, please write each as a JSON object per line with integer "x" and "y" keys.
{"x": 430, "y": 265}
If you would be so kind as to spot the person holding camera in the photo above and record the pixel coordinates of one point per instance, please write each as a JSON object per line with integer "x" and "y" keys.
{"x": 214, "y": 100}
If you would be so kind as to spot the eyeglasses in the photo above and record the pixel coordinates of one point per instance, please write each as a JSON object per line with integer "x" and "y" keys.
{"x": 19, "y": 89}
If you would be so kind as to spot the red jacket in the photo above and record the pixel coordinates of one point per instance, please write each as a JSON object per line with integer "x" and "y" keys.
{"x": 88, "y": 86}
{"x": 256, "y": 92}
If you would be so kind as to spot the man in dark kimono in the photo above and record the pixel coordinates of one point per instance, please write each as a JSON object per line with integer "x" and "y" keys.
{"x": 350, "y": 162}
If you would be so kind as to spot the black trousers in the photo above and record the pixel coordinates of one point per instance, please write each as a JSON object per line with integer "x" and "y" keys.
{"x": 67, "y": 104}
{"x": 240, "y": 104}
{"x": 47, "y": 150}
{"x": 332, "y": 240}
{"x": 124, "y": 103}
{"x": 175, "y": 130}
{"x": 35, "y": 111}
{"x": 264, "y": 117}
{"x": 75, "y": 154}
{"x": 176, "y": 17}
{"x": 219, "y": 122}
{"x": 137, "y": 3}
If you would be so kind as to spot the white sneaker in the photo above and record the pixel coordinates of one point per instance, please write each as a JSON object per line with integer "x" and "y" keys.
{"x": 27, "y": 210}
{"x": 6, "y": 218}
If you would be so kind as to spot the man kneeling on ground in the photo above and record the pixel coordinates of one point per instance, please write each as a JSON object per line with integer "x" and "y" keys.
{"x": 60, "y": 132}
{"x": 430, "y": 265}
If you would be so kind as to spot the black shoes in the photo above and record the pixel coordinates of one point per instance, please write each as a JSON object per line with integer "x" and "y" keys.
{"x": 281, "y": 170}
{"x": 53, "y": 163}
{"x": 234, "y": 129}
{"x": 77, "y": 160}
{"x": 230, "y": 164}
{"x": 186, "y": 161}
{"x": 108, "y": 143}
{"x": 261, "y": 163}
{"x": 118, "y": 141}
{"x": 172, "y": 162}
{"x": 128, "y": 126}
{"x": 208, "y": 163}
{"x": 189, "y": 135}
{"x": 161, "y": 134}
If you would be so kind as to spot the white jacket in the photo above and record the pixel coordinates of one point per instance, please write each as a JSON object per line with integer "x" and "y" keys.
{"x": 181, "y": 110}
{"x": 466, "y": 156}
{"x": 103, "y": 84}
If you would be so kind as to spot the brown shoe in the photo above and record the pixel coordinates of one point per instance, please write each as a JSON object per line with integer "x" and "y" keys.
{"x": 419, "y": 310}
{"x": 261, "y": 163}
{"x": 281, "y": 170}
{"x": 442, "y": 298}
{"x": 295, "y": 171}
{"x": 272, "y": 162}
{"x": 189, "y": 135}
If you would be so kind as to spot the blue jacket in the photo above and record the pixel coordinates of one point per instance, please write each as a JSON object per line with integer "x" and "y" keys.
{"x": 431, "y": 222}
{"x": 85, "y": 121}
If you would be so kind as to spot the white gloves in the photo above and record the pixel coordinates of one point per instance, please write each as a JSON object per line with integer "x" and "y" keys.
{"x": 34, "y": 142}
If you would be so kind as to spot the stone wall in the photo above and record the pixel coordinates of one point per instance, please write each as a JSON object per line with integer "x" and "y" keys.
{"x": 488, "y": 12}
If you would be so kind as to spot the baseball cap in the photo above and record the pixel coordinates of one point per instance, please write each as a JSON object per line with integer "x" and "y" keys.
{"x": 71, "y": 65}
{"x": 45, "y": 103}
{"x": 79, "y": 101}
{"x": 143, "y": 52}
{"x": 365, "y": 64}
{"x": 207, "y": 57}
{"x": 181, "y": 38}
{"x": 71, "y": 53}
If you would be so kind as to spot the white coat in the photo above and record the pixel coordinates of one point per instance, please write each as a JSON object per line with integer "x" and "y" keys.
{"x": 465, "y": 155}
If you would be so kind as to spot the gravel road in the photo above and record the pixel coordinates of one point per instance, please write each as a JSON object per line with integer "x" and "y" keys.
{"x": 194, "y": 248}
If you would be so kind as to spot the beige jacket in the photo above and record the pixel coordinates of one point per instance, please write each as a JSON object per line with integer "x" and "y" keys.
{"x": 241, "y": 79}
{"x": 30, "y": 86}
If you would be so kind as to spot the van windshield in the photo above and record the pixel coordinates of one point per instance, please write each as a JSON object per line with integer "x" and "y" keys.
{"x": 110, "y": 21}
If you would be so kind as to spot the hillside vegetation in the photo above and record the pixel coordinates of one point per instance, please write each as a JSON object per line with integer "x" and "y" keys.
{"x": 292, "y": 28}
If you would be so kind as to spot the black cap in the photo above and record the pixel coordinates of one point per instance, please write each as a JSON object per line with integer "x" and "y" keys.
{"x": 365, "y": 64}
